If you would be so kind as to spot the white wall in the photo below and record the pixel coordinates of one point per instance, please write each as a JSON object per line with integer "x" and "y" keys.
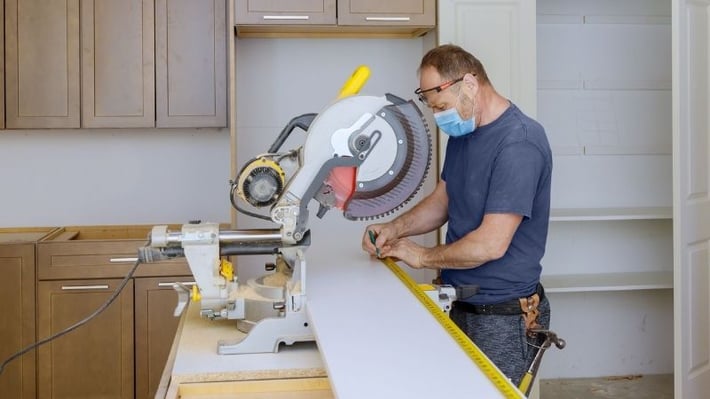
{"x": 278, "y": 79}
{"x": 113, "y": 176}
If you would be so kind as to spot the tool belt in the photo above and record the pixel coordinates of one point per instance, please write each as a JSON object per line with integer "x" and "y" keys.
{"x": 526, "y": 306}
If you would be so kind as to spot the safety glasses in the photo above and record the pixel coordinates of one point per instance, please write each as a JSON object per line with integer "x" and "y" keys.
{"x": 420, "y": 93}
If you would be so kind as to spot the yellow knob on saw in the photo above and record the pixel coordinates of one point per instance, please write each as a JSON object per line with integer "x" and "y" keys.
{"x": 226, "y": 269}
{"x": 355, "y": 82}
{"x": 195, "y": 294}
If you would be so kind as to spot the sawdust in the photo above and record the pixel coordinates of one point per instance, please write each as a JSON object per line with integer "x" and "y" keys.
{"x": 275, "y": 280}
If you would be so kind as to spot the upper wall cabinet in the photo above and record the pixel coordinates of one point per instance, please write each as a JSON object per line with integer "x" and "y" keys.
{"x": 117, "y": 63}
{"x": 278, "y": 12}
{"x": 42, "y": 63}
{"x": 191, "y": 68}
{"x": 357, "y": 18}
{"x": 94, "y": 64}
{"x": 383, "y": 13}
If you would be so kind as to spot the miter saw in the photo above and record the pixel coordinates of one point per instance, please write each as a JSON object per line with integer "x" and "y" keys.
{"x": 365, "y": 155}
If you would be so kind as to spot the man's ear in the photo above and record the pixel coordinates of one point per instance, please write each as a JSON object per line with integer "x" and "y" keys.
{"x": 466, "y": 94}
{"x": 470, "y": 81}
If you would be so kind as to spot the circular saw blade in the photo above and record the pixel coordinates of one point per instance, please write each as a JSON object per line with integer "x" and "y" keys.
{"x": 384, "y": 194}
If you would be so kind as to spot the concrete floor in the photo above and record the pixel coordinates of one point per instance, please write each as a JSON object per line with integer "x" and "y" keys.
{"x": 636, "y": 386}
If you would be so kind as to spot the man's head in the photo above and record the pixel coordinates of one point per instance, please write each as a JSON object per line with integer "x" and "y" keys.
{"x": 443, "y": 71}
{"x": 450, "y": 77}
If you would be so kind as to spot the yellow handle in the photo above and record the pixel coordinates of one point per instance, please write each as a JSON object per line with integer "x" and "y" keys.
{"x": 355, "y": 82}
{"x": 525, "y": 383}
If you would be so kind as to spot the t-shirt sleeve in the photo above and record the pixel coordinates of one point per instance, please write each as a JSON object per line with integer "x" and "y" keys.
{"x": 514, "y": 179}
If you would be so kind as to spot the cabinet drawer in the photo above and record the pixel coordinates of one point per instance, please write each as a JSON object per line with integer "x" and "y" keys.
{"x": 387, "y": 13}
{"x": 276, "y": 12}
{"x": 99, "y": 252}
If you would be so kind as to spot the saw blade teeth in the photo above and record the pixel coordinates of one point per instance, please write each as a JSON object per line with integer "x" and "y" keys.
{"x": 405, "y": 184}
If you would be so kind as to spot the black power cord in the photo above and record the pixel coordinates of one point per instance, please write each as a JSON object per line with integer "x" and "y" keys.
{"x": 77, "y": 324}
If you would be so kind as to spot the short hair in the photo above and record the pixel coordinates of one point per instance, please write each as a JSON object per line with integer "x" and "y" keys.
{"x": 452, "y": 62}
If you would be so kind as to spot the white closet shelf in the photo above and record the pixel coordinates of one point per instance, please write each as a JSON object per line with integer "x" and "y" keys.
{"x": 601, "y": 282}
{"x": 591, "y": 214}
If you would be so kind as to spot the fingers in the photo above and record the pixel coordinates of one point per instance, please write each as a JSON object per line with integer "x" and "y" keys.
{"x": 369, "y": 242}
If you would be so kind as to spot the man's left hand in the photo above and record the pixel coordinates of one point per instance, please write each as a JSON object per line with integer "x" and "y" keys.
{"x": 405, "y": 250}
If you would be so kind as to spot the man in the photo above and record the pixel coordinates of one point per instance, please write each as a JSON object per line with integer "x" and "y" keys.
{"x": 494, "y": 193}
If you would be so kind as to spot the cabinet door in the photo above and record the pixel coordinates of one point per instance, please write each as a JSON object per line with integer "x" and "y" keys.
{"x": 96, "y": 359}
{"x": 155, "y": 301}
{"x": 191, "y": 63}
{"x": 278, "y": 12}
{"x": 17, "y": 319}
{"x": 118, "y": 67}
{"x": 42, "y": 63}
{"x": 394, "y": 12}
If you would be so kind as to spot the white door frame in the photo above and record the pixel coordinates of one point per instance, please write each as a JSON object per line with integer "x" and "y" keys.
{"x": 691, "y": 197}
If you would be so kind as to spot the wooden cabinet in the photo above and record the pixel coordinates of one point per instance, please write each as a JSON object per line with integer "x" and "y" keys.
{"x": 17, "y": 309}
{"x": 275, "y": 12}
{"x": 191, "y": 63}
{"x": 394, "y": 12}
{"x": 317, "y": 18}
{"x": 155, "y": 326}
{"x": 92, "y": 64}
{"x": 95, "y": 360}
{"x": 42, "y": 63}
{"x": 120, "y": 352}
{"x": 117, "y": 63}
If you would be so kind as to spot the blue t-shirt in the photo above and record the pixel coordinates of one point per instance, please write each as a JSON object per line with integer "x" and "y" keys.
{"x": 502, "y": 167}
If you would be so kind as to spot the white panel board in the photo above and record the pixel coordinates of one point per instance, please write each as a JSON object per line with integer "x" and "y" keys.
{"x": 376, "y": 339}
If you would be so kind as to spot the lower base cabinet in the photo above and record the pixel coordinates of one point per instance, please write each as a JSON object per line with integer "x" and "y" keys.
{"x": 17, "y": 318}
{"x": 155, "y": 327}
{"x": 96, "y": 359}
{"x": 121, "y": 353}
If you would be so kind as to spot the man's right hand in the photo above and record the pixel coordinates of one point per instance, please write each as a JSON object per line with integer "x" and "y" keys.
{"x": 384, "y": 232}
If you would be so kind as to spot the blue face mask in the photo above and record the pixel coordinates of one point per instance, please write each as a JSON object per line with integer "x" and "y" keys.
{"x": 450, "y": 122}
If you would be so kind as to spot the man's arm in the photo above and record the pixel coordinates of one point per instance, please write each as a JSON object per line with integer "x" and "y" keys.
{"x": 488, "y": 242}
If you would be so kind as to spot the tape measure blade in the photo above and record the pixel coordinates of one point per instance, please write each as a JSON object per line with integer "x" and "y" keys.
{"x": 489, "y": 369}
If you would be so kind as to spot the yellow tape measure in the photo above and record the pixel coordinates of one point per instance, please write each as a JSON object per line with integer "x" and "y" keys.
{"x": 481, "y": 360}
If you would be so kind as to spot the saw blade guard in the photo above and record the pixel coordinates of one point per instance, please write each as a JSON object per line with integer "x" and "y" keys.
{"x": 386, "y": 138}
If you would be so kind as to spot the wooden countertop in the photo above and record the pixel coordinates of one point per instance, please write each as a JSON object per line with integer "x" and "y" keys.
{"x": 194, "y": 357}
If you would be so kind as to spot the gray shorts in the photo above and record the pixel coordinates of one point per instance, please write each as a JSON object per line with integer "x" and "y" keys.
{"x": 502, "y": 338}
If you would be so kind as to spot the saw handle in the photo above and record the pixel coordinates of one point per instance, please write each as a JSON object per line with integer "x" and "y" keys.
{"x": 355, "y": 82}
{"x": 301, "y": 121}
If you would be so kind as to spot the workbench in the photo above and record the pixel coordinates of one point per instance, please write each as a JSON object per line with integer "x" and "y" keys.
{"x": 195, "y": 370}
{"x": 375, "y": 340}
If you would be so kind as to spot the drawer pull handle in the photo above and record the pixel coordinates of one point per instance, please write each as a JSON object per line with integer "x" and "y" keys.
{"x": 388, "y": 19}
{"x": 190, "y": 283}
{"x": 123, "y": 260}
{"x": 84, "y": 287}
{"x": 286, "y": 17}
